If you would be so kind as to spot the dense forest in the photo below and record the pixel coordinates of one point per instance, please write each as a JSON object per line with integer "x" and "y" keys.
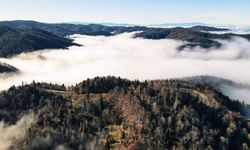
{"x": 15, "y": 41}
{"x": 115, "y": 113}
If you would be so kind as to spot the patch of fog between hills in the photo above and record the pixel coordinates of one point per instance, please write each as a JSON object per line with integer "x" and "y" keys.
{"x": 12, "y": 135}
{"x": 124, "y": 56}
{"x": 237, "y": 93}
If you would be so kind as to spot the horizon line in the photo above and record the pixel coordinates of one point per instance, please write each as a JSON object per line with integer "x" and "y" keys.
{"x": 128, "y": 24}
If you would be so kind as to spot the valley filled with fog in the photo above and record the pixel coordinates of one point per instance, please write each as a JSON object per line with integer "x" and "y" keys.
{"x": 124, "y": 56}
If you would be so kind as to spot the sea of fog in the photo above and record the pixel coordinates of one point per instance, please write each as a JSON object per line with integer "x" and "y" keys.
{"x": 124, "y": 56}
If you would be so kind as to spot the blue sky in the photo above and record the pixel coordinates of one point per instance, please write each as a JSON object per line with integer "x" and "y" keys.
{"x": 128, "y": 11}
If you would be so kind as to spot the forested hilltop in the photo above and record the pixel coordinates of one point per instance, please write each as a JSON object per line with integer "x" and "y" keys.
{"x": 6, "y": 68}
{"x": 115, "y": 113}
{"x": 16, "y": 41}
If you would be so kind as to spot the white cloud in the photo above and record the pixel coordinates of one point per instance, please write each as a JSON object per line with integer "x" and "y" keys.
{"x": 130, "y": 58}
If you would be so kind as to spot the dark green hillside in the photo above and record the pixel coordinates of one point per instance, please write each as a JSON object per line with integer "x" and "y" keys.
{"x": 16, "y": 41}
{"x": 113, "y": 113}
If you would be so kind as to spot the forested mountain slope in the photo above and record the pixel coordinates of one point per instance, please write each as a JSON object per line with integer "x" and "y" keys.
{"x": 115, "y": 113}
{"x": 16, "y": 41}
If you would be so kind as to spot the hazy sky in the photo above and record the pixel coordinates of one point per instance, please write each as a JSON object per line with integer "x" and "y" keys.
{"x": 128, "y": 11}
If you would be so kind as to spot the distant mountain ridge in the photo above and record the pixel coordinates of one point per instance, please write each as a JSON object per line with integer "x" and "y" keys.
{"x": 44, "y": 35}
{"x": 194, "y": 36}
{"x": 207, "y": 28}
{"x": 64, "y": 29}
{"x": 187, "y": 24}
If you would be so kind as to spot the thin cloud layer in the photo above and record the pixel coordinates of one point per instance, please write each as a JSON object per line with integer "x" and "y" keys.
{"x": 236, "y": 93}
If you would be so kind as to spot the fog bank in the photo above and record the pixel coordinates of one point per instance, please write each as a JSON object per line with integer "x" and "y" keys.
{"x": 121, "y": 55}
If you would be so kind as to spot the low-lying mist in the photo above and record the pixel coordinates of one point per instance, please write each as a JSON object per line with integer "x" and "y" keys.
{"x": 11, "y": 135}
{"x": 237, "y": 93}
{"x": 124, "y": 56}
